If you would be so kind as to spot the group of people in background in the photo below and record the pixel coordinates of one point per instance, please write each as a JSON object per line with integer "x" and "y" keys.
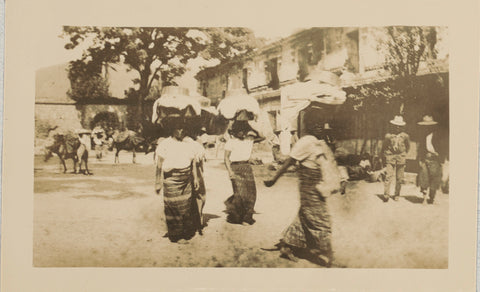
{"x": 395, "y": 148}
{"x": 179, "y": 173}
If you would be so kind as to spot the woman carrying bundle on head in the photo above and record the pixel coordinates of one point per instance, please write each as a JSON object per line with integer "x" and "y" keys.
{"x": 238, "y": 149}
{"x": 318, "y": 178}
{"x": 174, "y": 174}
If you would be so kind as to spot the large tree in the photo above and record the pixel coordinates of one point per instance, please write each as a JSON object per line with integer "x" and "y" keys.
{"x": 87, "y": 82}
{"x": 157, "y": 54}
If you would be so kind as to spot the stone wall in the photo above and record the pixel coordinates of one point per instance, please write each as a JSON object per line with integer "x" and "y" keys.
{"x": 72, "y": 117}
{"x": 89, "y": 111}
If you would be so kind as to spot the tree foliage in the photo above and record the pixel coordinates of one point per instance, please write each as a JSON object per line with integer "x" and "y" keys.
{"x": 407, "y": 46}
{"x": 86, "y": 82}
{"x": 226, "y": 43}
{"x": 156, "y": 54}
{"x": 370, "y": 107}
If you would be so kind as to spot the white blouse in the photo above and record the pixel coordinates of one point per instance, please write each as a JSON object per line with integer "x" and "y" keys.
{"x": 176, "y": 154}
{"x": 241, "y": 150}
{"x": 198, "y": 148}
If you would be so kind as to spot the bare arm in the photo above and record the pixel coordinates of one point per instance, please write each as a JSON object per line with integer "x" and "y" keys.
{"x": 196, "y": 184}
{"x": 290, "y": 161}
{"x": 228, "y": 163}
{"x": 159, "y": 175}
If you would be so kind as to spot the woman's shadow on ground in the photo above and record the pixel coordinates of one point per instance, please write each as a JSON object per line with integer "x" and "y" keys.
{"x": 411, "y": 198}
{"x": 414, "y": 199}
{"x": 207, "y": 217}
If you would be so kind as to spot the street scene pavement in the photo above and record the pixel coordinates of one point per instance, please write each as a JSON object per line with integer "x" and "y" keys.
{"x": 114, "y": 218}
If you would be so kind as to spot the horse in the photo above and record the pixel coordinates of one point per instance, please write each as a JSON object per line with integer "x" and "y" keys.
{"x": 69, "y": 147}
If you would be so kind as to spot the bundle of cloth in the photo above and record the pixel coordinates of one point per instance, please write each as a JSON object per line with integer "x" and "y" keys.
{"x": 319, "y": 87}
{"x": 240, "y": 107}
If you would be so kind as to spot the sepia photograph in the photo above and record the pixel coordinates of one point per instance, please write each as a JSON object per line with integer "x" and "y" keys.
{"x": 314, "y": 147}
{"x": 240, "y": 146}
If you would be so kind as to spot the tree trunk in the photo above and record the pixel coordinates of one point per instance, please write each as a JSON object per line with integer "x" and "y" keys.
{"x": 139, "y": 115}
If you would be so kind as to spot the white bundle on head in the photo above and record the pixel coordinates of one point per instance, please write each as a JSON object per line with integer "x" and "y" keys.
{"x": 237, "y": 100}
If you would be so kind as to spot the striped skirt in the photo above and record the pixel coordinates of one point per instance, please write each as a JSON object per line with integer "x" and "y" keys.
{"x": 311, "y": 228}
{"x": 180, "y": 207}
{"x": 240, "y": 206}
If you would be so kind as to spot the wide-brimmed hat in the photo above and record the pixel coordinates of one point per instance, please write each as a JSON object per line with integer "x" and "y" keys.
{"x": 427, "y": 121}
{"x": 327, "y": 127}
{"x": 398, "y": 121}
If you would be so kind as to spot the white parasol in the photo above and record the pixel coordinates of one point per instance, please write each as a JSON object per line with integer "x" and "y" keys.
{"x": 237, "y": 100}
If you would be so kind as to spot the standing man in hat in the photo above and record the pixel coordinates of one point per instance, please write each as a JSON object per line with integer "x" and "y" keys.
{"x": 395, "y": 148}
{"x": 429, "y": 160}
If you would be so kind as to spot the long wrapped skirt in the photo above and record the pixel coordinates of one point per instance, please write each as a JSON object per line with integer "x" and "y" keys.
{"x": 180, "y": 206}
{"x": 311, "y": 229}
{"x": 240, "y": 206}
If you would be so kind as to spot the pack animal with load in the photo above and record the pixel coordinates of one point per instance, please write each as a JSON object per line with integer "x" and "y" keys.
{"x": 69, "y": 146}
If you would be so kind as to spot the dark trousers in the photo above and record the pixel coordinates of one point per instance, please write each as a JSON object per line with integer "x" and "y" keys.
{"x": 429, "y": 177}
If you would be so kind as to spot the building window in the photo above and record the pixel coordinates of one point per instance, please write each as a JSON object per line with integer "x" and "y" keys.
{"x": 353, "y": 62}
{"x": 271, "y": 71}
{"x": 204, "y": 89}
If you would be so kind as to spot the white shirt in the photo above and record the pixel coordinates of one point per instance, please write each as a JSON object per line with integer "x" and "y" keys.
{"x": 364, "y": 164}
{"x": 307, "y": 150}
{"x": 429, "y": 144}
{"x": 241, "y": 150}
{"x": 85, "y": 140}
{"x": 198, "y": 148}
{"x": 176, "y": 154}
{"x": 285, "y": 141}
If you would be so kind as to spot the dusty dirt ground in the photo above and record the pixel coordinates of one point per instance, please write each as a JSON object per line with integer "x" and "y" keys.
{"x": 114, "y": 219}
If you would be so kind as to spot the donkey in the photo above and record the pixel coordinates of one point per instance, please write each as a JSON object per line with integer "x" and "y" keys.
{"x": 126, "y": 140}
{"x": 69, "y": 147}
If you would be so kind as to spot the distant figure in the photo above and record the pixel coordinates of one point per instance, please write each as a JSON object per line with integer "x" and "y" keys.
{"x": 99, "y": 141}
{"x": 84, "y": 137}
{"x": 395, "y": 148}
{"x": 429, "y": 160}
{"x": 278, "y": 157}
